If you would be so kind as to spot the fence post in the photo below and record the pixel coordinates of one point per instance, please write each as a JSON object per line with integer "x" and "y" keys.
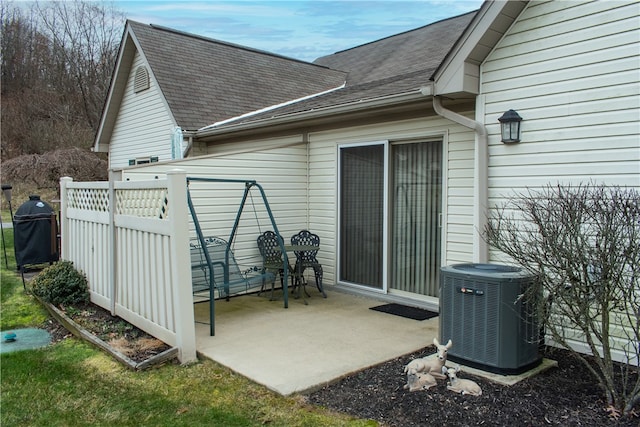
{"x": 64, "y": 220}
{"x": 181, "y": 265}
{"x": 113, "y": 249}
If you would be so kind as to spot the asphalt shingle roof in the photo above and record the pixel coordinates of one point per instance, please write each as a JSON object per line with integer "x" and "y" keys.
{"x": 394, "y": 65}
{"x": 420, "y": 50}
{"x": 205, "y": 81}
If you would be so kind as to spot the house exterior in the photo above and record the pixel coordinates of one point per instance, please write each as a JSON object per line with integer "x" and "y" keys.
{"x": 390, "y": 151}
{"x": 159, "y": 91}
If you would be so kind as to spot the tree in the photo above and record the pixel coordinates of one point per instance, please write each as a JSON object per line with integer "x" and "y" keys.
{"x": 25, "y": 55}
{"x": 583, "y": 245}
{"x": 84, "y": 37}
{"x": 57, "y": 60}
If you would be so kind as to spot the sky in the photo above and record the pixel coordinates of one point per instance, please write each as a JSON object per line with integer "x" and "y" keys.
{"x": 303, "y": 30}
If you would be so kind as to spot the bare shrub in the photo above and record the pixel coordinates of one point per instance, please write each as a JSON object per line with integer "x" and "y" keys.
{"x": 45, "y": 170}
{"x": 583, "y": 244}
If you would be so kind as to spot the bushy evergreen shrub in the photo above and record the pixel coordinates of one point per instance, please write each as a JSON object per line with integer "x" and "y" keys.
{"x": 61, "y": 284}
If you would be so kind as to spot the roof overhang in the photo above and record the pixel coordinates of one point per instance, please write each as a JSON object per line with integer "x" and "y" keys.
{"x": 116, "y": 89}
{"x": 458, "y": 76}
{"x": 457, "y": 79}
{"x": 316, "y": 117}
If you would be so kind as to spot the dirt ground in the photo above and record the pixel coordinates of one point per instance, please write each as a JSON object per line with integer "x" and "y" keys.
{"x": 562, "y": 396}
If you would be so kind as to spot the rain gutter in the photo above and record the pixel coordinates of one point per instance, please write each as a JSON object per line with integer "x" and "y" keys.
{"x": 350, "y": 107}
{"x": 480, "y": 174}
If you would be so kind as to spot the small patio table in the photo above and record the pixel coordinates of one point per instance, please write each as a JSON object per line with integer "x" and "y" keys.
{"x": 298, "y": 250}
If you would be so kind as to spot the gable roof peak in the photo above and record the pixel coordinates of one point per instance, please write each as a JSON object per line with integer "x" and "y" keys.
{"x": 407, "y": 31}
{"x": 419, "y": 50}
{"x": 205, "y": 81}
{"x": 212, "y": 40}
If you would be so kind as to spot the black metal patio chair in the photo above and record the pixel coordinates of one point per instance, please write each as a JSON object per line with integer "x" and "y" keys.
{"x": 307, "y": 258}
{"x": 269, "y": 245}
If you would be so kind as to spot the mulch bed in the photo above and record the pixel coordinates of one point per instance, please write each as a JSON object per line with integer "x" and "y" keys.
{"x": 562, "y": 396}
{"x": 124, "y": 337}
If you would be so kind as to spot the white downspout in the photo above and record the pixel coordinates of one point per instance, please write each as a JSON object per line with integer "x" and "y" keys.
{"x": 189, "y": 135}
{"x": 305, "y": 140}
{"x": 480, "y": 176}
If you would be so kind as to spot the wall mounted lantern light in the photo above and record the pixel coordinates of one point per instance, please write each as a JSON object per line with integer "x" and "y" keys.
{"x": 510, "y": 127}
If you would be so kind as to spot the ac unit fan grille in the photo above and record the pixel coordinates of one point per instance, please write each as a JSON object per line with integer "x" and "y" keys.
{"x": 489, "y": 325}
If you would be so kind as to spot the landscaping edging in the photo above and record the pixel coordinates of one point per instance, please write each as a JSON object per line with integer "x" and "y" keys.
{"x": 82, "y": 333}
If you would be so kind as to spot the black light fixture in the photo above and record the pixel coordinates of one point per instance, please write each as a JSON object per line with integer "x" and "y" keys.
{"x": 510, "y": 127}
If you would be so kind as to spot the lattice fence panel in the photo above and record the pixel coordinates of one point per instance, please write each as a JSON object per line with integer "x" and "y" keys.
{"x": 143, "y": 202}
{"x": 89, "y": 199}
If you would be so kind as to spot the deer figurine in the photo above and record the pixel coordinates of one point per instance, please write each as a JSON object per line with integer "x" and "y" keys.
{"x": 432, "y": 366}
{"x": 459, "y": 385}
{"x": 420, "y": 381}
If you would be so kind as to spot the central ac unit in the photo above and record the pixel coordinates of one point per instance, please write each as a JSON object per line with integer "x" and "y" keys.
{"x": 490, "y": 325}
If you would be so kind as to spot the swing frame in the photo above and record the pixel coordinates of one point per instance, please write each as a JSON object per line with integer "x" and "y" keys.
{"x": 248, "y": 185}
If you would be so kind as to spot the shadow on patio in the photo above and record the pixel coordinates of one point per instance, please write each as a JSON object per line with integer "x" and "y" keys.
{"x": 306, "y": 346}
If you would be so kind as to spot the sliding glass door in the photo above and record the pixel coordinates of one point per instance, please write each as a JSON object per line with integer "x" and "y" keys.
{"x": 390, "y": 205}
{"x": 415, "y": 221}
{"x": 362, "y": 178}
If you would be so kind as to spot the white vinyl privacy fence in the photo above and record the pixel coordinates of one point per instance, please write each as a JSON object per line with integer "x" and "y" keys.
{"x": 130, "y": 238}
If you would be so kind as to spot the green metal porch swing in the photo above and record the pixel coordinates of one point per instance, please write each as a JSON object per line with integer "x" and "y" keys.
{"x": 213, "y": 264}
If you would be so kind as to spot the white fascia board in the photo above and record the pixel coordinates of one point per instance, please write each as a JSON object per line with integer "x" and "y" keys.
{"x": 460, "y": 71}
{"x": 116, "y": 78}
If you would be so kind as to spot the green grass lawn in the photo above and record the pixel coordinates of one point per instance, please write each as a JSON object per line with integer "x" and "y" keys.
{"x": 71, "y": 383}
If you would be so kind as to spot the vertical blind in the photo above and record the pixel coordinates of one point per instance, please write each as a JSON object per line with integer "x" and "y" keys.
{"x": 416, "y": 206}
{"x": 362, "y": 214}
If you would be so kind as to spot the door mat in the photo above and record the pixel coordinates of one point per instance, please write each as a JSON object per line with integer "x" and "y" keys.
{"x": 405, "y": 311}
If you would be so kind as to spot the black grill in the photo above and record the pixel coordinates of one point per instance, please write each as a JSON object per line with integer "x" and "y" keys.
{"x": 35, "y": 233}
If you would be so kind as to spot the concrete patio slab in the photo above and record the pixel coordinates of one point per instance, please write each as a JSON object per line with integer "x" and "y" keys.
{"x": 305, "y": 347}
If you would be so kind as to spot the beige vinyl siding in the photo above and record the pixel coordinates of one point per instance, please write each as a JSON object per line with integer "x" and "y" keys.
{"x": 323, "y": 174}
{"x": 144, "y": 125}
{"x": 304, "y": 196}
{"x": 460, "y": 196}
{"x": 570, "y": 69}
{"x": 279, "y": 166}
